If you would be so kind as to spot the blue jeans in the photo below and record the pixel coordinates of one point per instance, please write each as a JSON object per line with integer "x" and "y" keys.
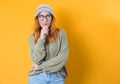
{"x": 46, "y": 78}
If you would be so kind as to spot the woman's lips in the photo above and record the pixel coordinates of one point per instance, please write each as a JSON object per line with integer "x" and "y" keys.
{"x": 45, "y": 24}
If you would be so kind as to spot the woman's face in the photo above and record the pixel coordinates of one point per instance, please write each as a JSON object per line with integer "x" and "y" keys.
{"x": 45, "y": 19}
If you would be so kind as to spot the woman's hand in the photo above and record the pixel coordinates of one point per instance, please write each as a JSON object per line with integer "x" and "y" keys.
{"x": 34, "y": 66}
{"x": 44, "y": 33}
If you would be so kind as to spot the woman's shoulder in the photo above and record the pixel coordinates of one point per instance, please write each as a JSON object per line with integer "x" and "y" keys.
{"x": 30, "y": 36}
{"x": 62, "y": 31}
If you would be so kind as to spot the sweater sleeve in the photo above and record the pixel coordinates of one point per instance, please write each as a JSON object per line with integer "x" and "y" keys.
{"x": 37, "y": 51}
{"x": 56, "y": 63}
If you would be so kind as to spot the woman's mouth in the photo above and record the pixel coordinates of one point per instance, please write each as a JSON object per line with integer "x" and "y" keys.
{"x": 45, "y": 24}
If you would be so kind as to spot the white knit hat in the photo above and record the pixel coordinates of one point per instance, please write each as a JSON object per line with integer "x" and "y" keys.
{"x": 44, "y": 8}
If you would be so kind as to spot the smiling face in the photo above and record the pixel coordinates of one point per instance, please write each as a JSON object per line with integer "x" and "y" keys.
{"x": 45, "y": 19}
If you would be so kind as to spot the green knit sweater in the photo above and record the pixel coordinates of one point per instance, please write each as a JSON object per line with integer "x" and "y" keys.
{"x": 50, "y": 57}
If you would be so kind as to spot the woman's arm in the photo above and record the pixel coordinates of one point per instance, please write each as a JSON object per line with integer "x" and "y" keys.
{"x": 58, "y": 61}
{"x": 37, "y": 51}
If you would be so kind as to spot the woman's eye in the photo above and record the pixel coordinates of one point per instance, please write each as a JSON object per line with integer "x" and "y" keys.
{"x": 48, "y": 16}
{"x": 41, "y": 16}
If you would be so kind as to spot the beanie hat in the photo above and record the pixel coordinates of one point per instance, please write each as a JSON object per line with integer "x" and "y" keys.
{"x": 44, "y": 8}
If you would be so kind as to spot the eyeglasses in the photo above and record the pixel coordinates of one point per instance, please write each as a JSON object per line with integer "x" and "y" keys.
{"x": 42, "y": 17}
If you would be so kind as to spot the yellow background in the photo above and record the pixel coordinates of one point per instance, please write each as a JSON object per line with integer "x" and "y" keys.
{"x": 93, "y": 30}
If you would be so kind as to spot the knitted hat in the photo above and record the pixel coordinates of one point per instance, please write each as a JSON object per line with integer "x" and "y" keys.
{"x": 44, "y": 8}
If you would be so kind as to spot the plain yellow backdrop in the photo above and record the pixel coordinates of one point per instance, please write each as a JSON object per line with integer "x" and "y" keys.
{"x": 93, "y": 31}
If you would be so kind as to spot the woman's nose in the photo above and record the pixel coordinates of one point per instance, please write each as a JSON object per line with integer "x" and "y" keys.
{"x": 45, "y": 19}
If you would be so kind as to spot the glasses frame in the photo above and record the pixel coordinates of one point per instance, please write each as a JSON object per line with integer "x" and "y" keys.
{"x": 42, "y": 17}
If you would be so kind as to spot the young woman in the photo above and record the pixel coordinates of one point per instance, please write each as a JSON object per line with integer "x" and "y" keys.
{"x": 48, "y": 49}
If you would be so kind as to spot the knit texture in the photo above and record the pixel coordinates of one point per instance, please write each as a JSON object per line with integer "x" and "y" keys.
{"x": 51, "y": 57}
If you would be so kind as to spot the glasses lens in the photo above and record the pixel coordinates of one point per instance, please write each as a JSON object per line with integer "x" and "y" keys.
{"x": 48, "y": 17}
{"x": 41, "y": 17}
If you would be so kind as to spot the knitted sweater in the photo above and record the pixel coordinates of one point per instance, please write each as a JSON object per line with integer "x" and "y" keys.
{"x": 50, "y": 57}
